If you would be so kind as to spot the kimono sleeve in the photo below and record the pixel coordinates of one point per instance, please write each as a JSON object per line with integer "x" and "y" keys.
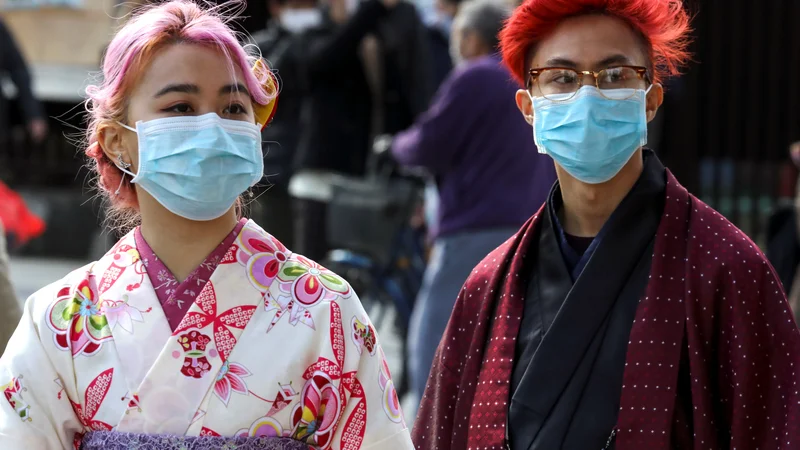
{"x": 35, "y": 413}
{"x": 372, "y": 418}
{"x": 758, "y": 357}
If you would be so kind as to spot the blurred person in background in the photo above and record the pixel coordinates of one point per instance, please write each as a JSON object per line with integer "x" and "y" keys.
{"x": 9, "y": 317}
{"x": 198, "y": 329}
{"x": 18, "y": 225}
{"x": 440, "y": 32}
{"x": 627, "y": 313}
{"x": 283, "y": 45}
{"x": 12, "y": 65}
{"x": 489, "y": 175}
{"x": 342, "y": 114}
{"x": 783, "y": 246}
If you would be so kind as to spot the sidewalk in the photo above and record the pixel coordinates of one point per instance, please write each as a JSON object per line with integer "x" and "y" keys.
{"x": 31, "y": 274}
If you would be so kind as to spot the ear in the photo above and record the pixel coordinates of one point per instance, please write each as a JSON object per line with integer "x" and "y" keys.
{"x": 110, "y": 139}
{"x": 654, "y": 100}
{"x": 525, "y": 105}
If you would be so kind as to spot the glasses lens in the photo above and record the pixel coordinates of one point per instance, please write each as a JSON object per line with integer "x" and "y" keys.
{"x": 558, "y": 84}
{"x": 619, "y": 82}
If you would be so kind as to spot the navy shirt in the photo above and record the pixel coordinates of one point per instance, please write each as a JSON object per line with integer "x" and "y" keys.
{"x": 576, "y": 250}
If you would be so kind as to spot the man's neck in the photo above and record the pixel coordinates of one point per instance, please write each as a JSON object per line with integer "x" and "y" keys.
{"x": 587, "y": 207}
{"x": 182, "y": 244}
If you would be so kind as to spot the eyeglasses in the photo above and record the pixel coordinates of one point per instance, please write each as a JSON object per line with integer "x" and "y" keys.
{"x": 561, "y": 84}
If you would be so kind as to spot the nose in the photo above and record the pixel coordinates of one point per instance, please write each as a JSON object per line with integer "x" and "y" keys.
{"x": 588, "y": 79}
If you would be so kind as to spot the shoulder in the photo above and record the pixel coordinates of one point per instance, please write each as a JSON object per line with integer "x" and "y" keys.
{"x": 487, "y": 67}
{"x": 472, "y": 73}
{"x": 725, "y": 257}
{"x": 715, "y": 238}
{"x": 38, "y": 305}
{"x": 479, "y": 76}
{"x": 266, "y": 37}
{"x": 308, "y": 282}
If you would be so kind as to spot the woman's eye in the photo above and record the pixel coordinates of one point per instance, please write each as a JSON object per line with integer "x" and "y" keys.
{"x": 235, "y": 109}
{"x": 181, "y": 108}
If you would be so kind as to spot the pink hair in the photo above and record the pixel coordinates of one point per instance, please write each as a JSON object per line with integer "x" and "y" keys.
{"x": 151, "y": 29}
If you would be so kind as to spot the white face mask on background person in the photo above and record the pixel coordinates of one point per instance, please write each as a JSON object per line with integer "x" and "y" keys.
{"x": 296, "y": 20}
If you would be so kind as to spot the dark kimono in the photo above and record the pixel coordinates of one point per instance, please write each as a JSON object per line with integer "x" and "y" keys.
{"x": 675, "y": 333}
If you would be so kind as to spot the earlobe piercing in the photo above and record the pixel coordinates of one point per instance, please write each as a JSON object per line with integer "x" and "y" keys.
{"x": 124, "y": 166}
{"x": 122, "y": 162}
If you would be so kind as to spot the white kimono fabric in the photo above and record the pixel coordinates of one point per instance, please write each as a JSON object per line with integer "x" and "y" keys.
{"x": 274, "y": 345}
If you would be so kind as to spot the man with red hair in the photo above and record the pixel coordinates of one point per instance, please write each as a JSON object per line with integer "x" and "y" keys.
{"x": 626, "y": 313}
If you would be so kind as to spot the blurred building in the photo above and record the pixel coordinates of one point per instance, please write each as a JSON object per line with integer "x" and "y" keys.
{"x": 729, "y": 120}
{"x": 62, "y": 42}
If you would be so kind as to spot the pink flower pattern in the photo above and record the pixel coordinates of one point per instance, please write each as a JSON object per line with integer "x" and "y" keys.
{"x": 314, "y": 418}
{"x": 230, "y": 379}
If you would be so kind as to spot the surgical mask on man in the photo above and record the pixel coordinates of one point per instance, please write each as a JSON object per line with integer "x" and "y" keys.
{"x": 591, "y": 135}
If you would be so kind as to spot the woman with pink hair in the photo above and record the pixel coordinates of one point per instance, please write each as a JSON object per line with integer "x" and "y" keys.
{"x": 198, "y": 329}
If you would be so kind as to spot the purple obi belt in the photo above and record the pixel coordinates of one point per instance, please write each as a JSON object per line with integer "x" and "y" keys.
{"x": 111, "y": 440}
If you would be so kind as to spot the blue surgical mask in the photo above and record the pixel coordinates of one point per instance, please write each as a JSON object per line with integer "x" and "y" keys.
{"x": 197, "y": 166}
{"x": 590, "y": 135}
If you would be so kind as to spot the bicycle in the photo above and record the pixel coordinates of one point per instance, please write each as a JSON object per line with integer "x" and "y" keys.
{"x": 376, "y": 246}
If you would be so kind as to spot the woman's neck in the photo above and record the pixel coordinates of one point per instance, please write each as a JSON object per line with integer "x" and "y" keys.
{"x": 587, "y": 207}
{"x": 182, "y": 244}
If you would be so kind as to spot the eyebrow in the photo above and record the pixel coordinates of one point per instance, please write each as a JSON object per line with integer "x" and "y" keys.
{"x": 185, "y": 88}
{"x": 188, "y": 88}
{"x": 236, "y": 87}
{"x": 612, "y": 60}
{"x": 618, "y": 59}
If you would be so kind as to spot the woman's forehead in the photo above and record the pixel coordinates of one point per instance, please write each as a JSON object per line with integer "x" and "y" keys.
{"x": 206, "y": 67}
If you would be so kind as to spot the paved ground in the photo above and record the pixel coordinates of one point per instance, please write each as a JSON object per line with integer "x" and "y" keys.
{"x": 30, "y": 274}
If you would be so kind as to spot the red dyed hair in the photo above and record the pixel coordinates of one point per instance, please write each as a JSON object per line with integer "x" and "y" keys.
{"x": 664, "y": 25}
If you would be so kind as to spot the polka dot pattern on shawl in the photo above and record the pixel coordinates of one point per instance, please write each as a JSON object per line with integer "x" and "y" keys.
{"x": 711, "y": 296}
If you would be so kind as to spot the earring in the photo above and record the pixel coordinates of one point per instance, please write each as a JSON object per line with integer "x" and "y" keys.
{"x": 122, "y": 162}
{"x": 124, "y": 166}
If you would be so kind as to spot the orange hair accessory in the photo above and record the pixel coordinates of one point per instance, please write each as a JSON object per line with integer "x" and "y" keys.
{"x": 265, "y": 113}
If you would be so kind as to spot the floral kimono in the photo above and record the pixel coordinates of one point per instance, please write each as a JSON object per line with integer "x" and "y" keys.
{"x": 272, "y": 345}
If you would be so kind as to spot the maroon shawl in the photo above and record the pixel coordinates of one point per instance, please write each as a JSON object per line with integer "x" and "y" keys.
{"x": 712, "y": 298}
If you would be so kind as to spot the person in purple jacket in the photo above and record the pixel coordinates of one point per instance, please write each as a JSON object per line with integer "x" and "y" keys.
{"x": 489, "y": 176}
